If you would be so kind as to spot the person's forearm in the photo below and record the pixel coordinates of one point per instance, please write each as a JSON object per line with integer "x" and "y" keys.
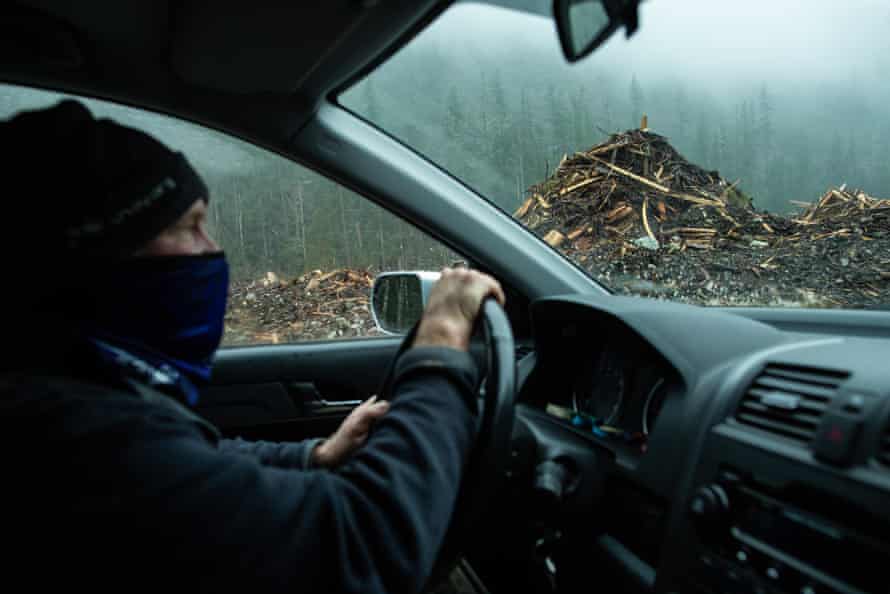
{"x": 297, "y": 455}
{"x": 398, "y": 493}
{"x": 374, "y": 525}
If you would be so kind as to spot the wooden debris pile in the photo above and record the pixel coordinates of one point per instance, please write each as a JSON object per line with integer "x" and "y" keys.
{"x": 645, "y": 221}
{"x": 314, "y": 306}
{"x": 634, "y": 185}
{"x": 841, "y": 212}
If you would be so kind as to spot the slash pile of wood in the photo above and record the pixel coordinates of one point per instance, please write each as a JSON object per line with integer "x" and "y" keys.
{"x": 644, "y": 220}
{"x": 632, "y": 186}
{"x": 842, "y": 213}
{"x": 314, "y": 306}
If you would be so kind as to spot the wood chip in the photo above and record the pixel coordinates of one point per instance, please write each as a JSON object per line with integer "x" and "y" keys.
{"x": 581, "y": 184}
{"x": 554, "y": 238}
{"x": 577, "y": 232}
{"x": 725, "y": 194}
{"x": 522, "y": 210}
{"x": 696, "y": 199}
{"x": 702, "y": 230}
{"x": 634, "y": 176}
{"x": 698, "y": 244}
{"x": 646, "y": 219}
{"x": 618, "y": 213}
{"x": 604, "y": 149}
{"x": 325, "y": 277}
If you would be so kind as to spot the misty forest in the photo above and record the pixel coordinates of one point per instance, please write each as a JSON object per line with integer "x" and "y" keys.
{"x": 486, "y": 94}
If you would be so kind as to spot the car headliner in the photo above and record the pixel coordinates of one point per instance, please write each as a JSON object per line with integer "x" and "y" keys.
{"x": 258, "y": 70}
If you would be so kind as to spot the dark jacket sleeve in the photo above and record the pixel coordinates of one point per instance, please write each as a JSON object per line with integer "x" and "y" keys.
{"x": 374, "y": 525}
{"x": 283, "y": 455}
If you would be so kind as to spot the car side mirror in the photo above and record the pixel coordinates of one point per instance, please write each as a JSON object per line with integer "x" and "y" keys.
{"x": 398, "y": 299}
{"x": 584, "y": 25}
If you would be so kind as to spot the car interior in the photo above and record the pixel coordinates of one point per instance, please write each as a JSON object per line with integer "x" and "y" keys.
{"x": 757, "y": 454}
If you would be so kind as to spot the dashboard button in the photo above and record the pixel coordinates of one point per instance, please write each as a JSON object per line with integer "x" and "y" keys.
{"x": 709, "y": 502}
{"x": 836, "y": 438}
{"x": 854, "y": 403}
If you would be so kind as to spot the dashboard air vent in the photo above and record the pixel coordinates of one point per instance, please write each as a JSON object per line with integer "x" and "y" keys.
{"x": 789, "y": 400}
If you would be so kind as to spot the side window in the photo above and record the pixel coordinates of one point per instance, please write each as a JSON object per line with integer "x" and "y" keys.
{"x": 302, "y": 249}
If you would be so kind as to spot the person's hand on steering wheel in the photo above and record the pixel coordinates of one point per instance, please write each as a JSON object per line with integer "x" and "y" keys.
{"x": 455, "y": 302}
{"x": 452, "y": 308}
{"x": 453, "y": 305}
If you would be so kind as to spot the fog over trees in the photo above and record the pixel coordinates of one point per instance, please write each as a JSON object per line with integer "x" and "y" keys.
{"x": 779, "y": 95}
{"x": 788, "y": 97}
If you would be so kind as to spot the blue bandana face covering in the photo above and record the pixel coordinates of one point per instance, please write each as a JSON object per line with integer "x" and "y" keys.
{"x": 167, "y": 311}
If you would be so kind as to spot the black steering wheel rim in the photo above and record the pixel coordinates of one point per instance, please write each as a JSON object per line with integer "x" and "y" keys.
{"x": 489, "y": 458}
{"x": 496, "y": 419}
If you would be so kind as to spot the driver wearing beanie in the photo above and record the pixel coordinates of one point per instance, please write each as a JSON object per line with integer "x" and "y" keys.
{"x": 112, "y": 480}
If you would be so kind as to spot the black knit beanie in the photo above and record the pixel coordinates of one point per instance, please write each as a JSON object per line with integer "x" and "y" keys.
{"x": 84, "y": 191}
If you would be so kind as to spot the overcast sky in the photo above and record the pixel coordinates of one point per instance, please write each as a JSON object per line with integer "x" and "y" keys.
{"x": 716, "y": 42}
{"x": 815, "y": 40}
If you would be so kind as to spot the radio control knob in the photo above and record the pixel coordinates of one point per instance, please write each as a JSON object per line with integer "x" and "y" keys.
{"x": 710, "y": 502}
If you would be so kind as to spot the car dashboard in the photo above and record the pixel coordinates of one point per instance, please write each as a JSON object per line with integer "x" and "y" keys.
{"x": 732, "y": 456}
{"x": 614, "y": 388}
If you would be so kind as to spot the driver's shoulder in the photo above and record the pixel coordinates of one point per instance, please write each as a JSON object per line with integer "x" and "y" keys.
{"x": 64, "y": 406}
{"x": 29, "y": 389}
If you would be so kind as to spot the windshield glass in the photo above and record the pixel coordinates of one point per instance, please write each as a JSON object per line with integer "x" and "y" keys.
{"x": 729, "y": 153}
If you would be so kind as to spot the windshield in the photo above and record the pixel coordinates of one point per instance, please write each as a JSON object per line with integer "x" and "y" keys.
{"x": 730, "y": 153}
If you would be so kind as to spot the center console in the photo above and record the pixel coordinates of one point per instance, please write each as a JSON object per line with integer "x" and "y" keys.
{"x": 756, "y": 537}
{"x": 790, "y": 493}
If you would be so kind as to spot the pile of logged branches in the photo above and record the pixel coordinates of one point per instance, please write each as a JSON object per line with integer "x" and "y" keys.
{"x": 314, "y": 306}
{"x": 646, "y": 221}
{"x": 846, "y": 212}
{"x": 632, "y": 186}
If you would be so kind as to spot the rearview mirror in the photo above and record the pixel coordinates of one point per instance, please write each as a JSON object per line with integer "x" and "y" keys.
{"x": 584, "y": 25}
{"x": 398, "y": 299}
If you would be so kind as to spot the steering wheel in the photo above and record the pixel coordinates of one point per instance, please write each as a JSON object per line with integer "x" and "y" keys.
{"x": 489, "y": 457}
{"x": 491, "y": 452}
